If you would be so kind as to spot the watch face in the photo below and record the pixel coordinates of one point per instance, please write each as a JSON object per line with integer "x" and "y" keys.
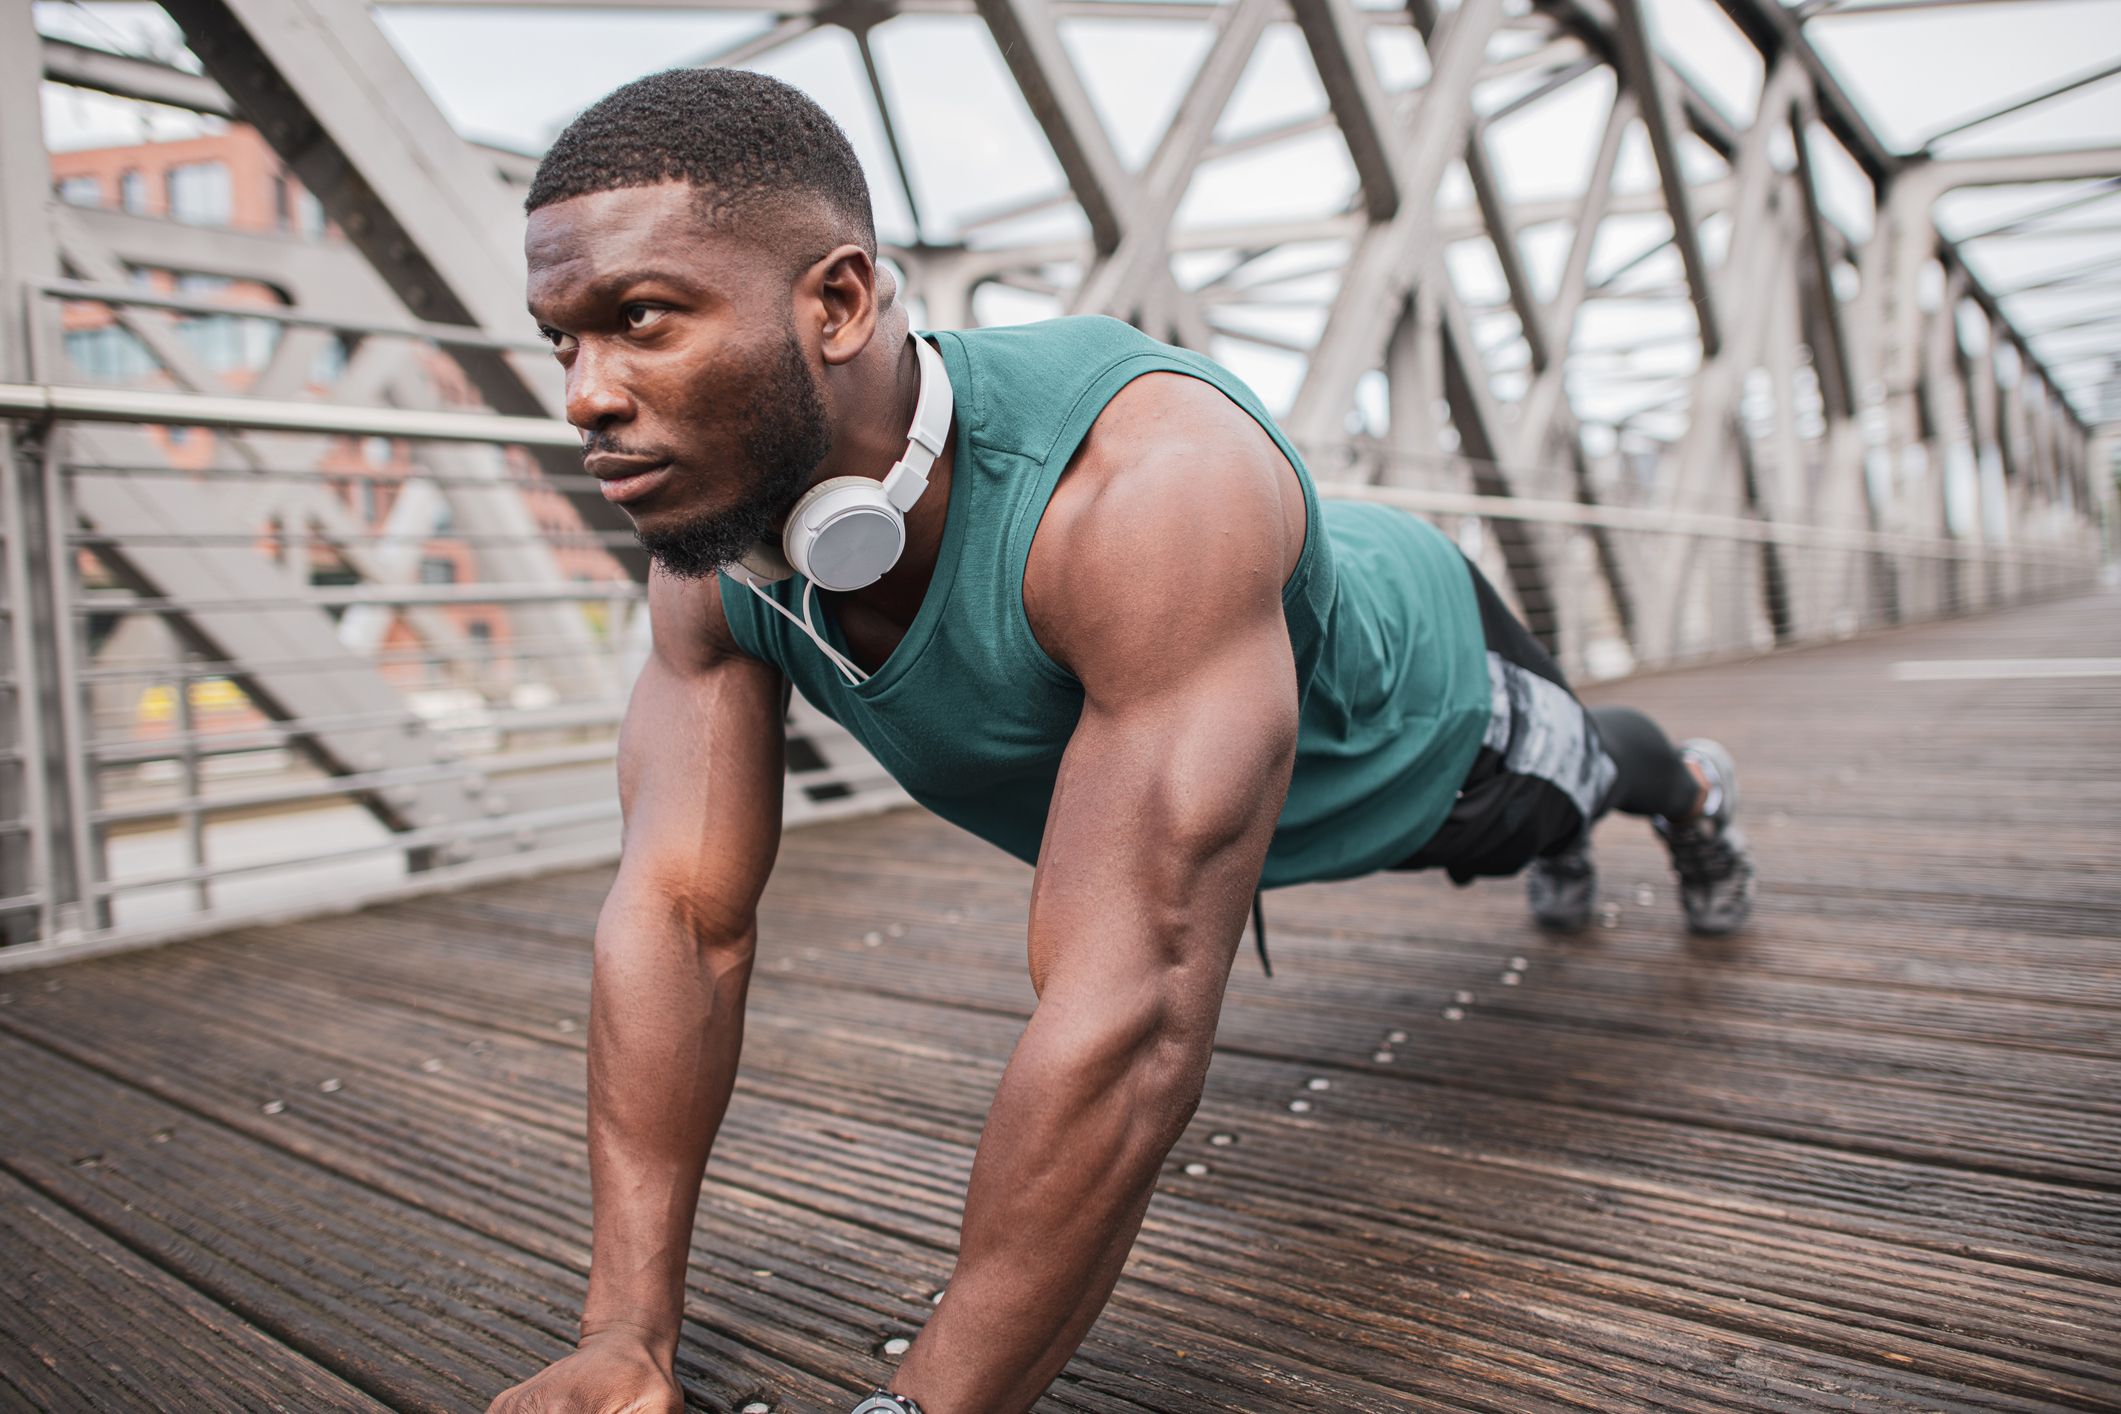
{"x": 883, "y": 1402}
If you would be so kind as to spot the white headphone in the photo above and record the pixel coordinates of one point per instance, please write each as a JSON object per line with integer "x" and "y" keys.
{"x": 846, "y": 532}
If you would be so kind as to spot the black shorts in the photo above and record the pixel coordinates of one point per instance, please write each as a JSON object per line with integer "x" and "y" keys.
{"x": 1541, "y": 776}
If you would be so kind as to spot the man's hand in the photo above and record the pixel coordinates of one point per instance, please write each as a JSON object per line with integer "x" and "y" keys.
{"x": 612, "y": 1372}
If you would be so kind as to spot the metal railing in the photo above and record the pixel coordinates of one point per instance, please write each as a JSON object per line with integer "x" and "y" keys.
{"x": 233, "y": 750}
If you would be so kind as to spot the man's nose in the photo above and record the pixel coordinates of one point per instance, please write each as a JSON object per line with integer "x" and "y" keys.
{"x": 596, "y": 397}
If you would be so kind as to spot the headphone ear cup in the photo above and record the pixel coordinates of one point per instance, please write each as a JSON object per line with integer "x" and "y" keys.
{"x": 844, "y": 534}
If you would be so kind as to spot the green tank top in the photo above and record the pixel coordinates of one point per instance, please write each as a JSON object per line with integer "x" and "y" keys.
{"x": 971, "y": 716}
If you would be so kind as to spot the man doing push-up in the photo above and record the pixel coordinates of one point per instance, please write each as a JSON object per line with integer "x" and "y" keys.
{"x": 1077, "y": 592}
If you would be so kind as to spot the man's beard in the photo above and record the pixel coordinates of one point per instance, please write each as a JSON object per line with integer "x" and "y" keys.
{"x": 784, "y": 436}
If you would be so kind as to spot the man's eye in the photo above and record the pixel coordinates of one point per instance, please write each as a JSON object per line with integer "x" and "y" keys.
{"x": 640, "y": 316}
{"x": 561, "y": 343}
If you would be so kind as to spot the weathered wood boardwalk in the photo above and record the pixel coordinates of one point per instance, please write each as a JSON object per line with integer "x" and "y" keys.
{"x": 1867, "y": 1157}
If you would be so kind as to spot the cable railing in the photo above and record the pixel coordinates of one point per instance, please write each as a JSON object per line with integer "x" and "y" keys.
{"x": 249, "y": 725}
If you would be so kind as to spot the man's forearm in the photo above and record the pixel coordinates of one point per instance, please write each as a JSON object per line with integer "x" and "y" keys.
{"x": 666, "y": 1021}
{"x": 1066, "y": 1167}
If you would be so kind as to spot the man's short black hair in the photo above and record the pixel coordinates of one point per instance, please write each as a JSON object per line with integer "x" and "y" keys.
{"x": 745, "y": 140}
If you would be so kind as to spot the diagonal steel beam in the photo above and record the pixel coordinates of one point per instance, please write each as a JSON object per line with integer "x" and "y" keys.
{"x": 1641, "y": 71}
{"x": 1495, "y": 212}
{"x": 1835, "y": 362}
{"x": 342, "y": 110}
{"x": 1774, "y": 31}
{"x": 1335, "y": 34}
{"x": 1118, "y": 283}
{"x": 1544, "y": 398}
{"x": 884, "y": 116}
{"x": 1031, "y": 46}
{"x": 1388, "y": 259}
{"x": 2020, "y": 104}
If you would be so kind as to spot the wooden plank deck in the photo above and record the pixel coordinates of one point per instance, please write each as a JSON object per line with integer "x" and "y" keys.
{"x": 1865, "y": 1157}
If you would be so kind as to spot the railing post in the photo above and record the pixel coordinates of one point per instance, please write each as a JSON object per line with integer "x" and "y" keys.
{"x": 56, "y": 745}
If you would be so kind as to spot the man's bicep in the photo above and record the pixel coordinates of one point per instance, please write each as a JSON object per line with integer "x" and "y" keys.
{"x": 1169, "y": 792}
{"x": 700, "y": 771}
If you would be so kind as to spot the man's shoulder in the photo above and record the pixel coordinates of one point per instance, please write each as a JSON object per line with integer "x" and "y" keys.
{"x": 1174, "y": 489}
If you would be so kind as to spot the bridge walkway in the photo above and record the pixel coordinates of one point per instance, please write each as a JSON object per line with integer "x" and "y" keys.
{"x": 1864, "y": 1157}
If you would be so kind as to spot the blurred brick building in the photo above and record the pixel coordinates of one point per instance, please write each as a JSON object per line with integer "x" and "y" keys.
{"x": 232, "y": 179}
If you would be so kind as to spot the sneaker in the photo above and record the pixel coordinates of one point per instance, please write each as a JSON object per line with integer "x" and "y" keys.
{"x": 1715, "y": 869}
{"x": 1562, "y": 887}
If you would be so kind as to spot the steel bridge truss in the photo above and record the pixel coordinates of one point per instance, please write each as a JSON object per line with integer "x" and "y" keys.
{"x": 1843, "y": 430}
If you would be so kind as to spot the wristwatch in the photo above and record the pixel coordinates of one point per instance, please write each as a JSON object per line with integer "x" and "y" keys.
{"x": 883, "y": 1401}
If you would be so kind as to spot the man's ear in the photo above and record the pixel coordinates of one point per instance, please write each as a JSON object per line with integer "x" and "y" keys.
{"x": 848, "y": 298}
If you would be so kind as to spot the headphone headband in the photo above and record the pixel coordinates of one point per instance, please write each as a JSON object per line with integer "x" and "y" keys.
{"x": 906, "y": 481}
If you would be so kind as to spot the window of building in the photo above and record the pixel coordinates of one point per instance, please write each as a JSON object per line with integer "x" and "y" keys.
{"x": 309, "y": 213}
{"x": 132, "y": 191}
{"x": 199, "y": 194}
{"x": 110, "y": 354}
{"x": 330, "y": 361}
{"x": 226, "y": 342}
{"x": 79, "y": 191}
{"x": 438, "y": 569}
{"x": 367, "y": 497}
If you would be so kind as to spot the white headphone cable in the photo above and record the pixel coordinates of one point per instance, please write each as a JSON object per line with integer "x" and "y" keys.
{"x": 854, "y": 675}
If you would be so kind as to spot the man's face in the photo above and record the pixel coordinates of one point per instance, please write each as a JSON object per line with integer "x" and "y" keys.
{"x": 695, "y": 398}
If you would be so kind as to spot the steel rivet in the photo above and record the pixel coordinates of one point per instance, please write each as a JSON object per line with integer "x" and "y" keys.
{"x": 1299, "y": 1107}
{"x": 329, "y": 1087}
{"x": 1318, "y": 1082}
{"x": 757, "y": 1406}
{"x": 937, "y": 1299}
{"x": 897, "y": 1345}
{"x": 1645, "y": 895}
{"x": 1518, "y": 964}
{"x": 1452, "y": 1013}
{"x": 1462, "y": 997}
{"x": 1511, "y": 979}
{"x": 897, "y": 930}
{"x": 1222, "y": 1141}
{"x": 565, "y": 1023}
{"x": 1196, "y": 1170}
{"x": 871, "y": 940}
{"x": 761, "y": 1272}
{"x": 1382, "y": 1057}
{"x": 272, "y": 1107}
{"x": 1397, "y": 1038}
{"x": 431, "y": 1064}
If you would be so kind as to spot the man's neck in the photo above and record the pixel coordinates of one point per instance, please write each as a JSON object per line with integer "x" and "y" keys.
{"x": 873, "y": 439}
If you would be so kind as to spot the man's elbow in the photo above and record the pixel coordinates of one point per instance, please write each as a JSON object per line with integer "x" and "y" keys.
{"x": 1167, "y": 1047}
{"x": 646, "y": 911}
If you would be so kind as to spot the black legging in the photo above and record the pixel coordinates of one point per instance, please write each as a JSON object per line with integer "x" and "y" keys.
{"x": 1653, "y": 779}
